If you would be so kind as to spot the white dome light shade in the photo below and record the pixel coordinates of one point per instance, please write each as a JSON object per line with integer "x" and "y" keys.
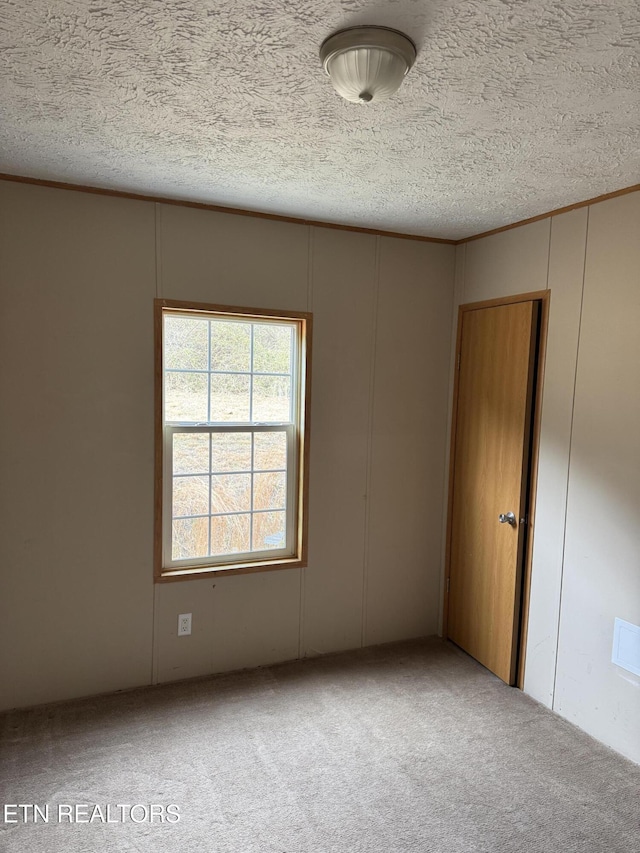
{"x": 367, "y": 64}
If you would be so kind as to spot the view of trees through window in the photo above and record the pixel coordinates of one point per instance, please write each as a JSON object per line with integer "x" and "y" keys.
{"x": 229, "y": 410}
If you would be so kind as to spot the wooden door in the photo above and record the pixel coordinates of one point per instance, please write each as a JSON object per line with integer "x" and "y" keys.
{"x": 497, "y": 347}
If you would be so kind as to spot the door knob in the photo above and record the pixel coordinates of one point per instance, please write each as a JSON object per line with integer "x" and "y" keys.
{"x": 507, "y": 518}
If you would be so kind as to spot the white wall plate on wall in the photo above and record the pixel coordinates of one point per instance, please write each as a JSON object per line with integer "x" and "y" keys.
{"x": 626, "y": 646}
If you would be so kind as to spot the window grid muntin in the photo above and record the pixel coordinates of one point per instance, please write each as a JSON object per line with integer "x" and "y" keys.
{"x": 232, "y": 473}
{"x": 232, "y": 512}
{"x": 210, "y": 466}
{"x": 251, "y": 385}
{"x": 253, "y": 457}
{"x": 224, "y": 372}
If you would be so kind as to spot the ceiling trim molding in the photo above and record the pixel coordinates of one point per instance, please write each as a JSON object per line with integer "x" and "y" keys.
{"x": 556, "y": 212}
{"x": 237, "y": 211}
{"x": 277, "y": 217}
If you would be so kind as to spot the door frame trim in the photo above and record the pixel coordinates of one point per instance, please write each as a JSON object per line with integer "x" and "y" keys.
{"x": 544, "y": 298}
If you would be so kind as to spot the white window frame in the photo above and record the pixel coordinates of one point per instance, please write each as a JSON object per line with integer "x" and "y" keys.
{"x": 293, "y": 554}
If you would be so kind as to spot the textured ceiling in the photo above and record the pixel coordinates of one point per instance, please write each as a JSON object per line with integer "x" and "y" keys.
{"x": 512, "y": 109}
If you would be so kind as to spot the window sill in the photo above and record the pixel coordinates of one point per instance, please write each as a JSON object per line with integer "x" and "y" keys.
{"x": 203, "y": 572}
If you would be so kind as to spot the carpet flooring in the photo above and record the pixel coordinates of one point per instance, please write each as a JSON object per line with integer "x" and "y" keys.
{"x": 408, "y": 747}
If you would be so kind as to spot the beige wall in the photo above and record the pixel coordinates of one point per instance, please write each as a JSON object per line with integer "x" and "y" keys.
{"x": 78, "y": 608}
{"x": 601, "y": 578}
{"x": 586, "y": 543}
{"x": 77, "y": 281}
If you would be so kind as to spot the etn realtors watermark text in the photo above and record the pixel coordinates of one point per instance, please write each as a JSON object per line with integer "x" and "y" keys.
{"x": 90, "y": 813}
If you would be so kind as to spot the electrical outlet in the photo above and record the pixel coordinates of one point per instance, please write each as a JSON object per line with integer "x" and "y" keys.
{"x": 184, "y": 624}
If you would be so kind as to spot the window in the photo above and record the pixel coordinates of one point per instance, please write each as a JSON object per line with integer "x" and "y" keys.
{"x": 231, "y": 439}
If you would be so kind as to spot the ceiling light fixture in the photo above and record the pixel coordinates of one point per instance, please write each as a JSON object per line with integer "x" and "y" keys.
{"x": 367, "y": 64}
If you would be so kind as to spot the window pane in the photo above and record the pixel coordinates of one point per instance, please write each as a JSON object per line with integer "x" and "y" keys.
{"x": 230, "y": 346}
{"x": 269, "y": 491}
{"x": 231, "y": 451}
{"x": 229, "y": 398}
{"x": 185, "y": 343}
{"x": 190, "y": 538}
{"x": 269, "y": 451}
{"x": 190, "y": 496}
{"x": 185, "y": 397}
{"x": 272, "y": 349}
{"x": 229, "y": 534}
{"x": 231, "y": 493}
{"x": 272, "y": 399}
{"x": 269, "y": 530}
{"x": 190, "y": 453}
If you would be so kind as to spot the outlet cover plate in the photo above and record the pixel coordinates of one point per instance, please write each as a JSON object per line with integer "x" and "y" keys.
{"x": 626, "y": 646}
{"x": 184, "y": 624}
